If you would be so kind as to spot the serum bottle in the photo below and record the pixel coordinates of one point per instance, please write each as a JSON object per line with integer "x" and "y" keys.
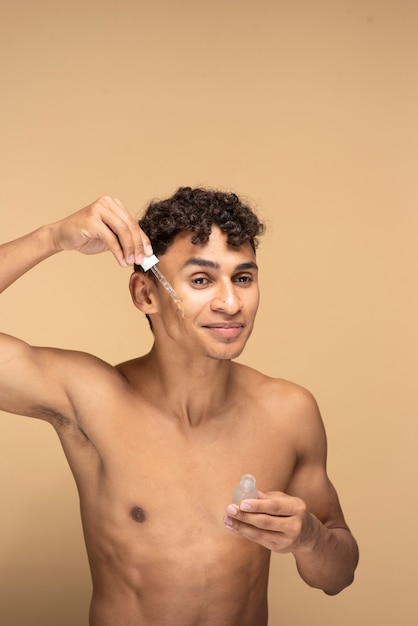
{"x": 246, "y": 488}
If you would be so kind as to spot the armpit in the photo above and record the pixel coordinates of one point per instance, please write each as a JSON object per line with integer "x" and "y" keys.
{"x": 61, "y": 422}
{"x": 54, "y": 417}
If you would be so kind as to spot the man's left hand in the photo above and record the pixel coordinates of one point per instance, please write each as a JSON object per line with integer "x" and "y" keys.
{"x": 275, "y": 520}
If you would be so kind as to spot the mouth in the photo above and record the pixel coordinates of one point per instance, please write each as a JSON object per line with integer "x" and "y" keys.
{"x": 227, "y": 330}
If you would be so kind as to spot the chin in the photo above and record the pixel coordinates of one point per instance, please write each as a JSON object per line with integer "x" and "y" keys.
{"x": 225, "y": 354}
{"x": 225, "y": 350}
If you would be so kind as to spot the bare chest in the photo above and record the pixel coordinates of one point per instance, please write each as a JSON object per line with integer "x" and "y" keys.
{"x": 148, "y": 466}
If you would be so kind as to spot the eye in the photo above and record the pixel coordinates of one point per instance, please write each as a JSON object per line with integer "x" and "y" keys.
{"x": 200, "y": 281}
{"x": 244, "y": 279}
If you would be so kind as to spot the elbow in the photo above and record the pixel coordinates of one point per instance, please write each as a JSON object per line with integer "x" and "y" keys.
{"x": 336, "y": 587}
{"x": 335, "y": 590}
{"x": 331, "y": 585}
{"x": 348, "y": 575}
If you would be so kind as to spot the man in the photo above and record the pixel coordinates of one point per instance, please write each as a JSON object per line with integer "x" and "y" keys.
{"x": 157, "y": 444}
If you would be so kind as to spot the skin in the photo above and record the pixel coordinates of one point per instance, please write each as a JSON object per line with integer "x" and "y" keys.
{"x": 157, "y": 444}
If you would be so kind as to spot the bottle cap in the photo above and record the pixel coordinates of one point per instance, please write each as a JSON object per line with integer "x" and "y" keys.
{"x": 148, "y": 262}
{"x": 248, "y": 481}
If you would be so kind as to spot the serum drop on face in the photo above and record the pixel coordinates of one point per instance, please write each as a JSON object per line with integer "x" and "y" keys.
{"x": 246, "y": 488}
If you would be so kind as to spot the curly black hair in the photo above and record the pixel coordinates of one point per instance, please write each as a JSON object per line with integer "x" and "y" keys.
{"x": 196, "y": 210}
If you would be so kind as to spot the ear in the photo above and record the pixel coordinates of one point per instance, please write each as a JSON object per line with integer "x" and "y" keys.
{"x": 142, "y": 293}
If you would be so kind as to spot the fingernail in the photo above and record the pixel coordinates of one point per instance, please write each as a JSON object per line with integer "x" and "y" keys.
{"x": 228, "y": 521}
{"x": 148, "y": 250}
{"x": 231, "y": 509}
{"x": 131, "y": 259}
{"x": 244, "y": 506}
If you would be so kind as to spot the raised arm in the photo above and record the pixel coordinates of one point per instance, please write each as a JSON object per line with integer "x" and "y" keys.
{"x": 103, "y": 225}
{"x": 35, "y": 381}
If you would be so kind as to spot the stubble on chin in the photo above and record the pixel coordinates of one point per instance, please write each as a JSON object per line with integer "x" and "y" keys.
{"x": 225, "y": 355}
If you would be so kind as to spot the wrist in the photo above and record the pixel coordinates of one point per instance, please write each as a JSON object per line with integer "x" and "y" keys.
{"x": 312, "y": 536}
{"x": 49, "y": 240}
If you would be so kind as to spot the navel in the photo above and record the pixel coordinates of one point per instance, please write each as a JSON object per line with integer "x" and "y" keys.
{"x": 138, "y": 514}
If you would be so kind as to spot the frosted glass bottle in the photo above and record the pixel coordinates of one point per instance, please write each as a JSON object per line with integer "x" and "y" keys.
{"x": 245, "y": 489}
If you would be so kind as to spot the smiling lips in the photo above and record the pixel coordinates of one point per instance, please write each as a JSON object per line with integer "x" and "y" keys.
{"x": 225, "y": 329}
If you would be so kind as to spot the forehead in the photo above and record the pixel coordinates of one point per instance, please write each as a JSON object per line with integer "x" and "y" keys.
{"x": 215, "y": 249}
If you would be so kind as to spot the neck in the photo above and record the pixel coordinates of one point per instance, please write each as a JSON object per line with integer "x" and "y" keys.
{"x": 196, "y": 390}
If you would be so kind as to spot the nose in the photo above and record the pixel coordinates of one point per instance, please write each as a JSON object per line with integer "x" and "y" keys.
{"x": 226, "y": 299}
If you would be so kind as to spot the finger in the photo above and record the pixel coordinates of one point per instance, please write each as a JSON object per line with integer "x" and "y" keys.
{"x": 132, "y": 241}
{"x": 271, "y": 511}
{"x": 112, "y": 242}
{"x": 273, "y": 503}
{"x": 271, "y": 539}
{"x": 273, "y": 531}
{"x": 257, "y": 520}
{"x": 141, "y": 241}
{"x": 143, "y": 246}
{"x": 110, "y": 222}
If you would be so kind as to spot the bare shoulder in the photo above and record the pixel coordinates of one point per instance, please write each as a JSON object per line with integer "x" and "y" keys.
{"x": 277, "y": 391}
{"x": 287, "y": 403}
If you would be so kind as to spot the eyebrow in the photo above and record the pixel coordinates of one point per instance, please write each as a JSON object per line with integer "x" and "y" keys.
{"x": 199, "y": 262}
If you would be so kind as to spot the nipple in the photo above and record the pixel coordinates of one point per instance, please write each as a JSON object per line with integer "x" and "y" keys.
{"x": 138, "y": 514}
{"x": 246, "y": 488}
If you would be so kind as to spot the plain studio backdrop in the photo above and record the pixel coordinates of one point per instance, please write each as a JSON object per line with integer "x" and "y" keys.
{"x": 308, "y": 109}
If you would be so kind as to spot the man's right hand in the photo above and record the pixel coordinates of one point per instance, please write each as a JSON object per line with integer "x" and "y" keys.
{"x": 103, "y": 225}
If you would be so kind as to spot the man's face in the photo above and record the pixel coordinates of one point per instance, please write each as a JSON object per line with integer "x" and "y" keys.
{"x": 218, "y": 286}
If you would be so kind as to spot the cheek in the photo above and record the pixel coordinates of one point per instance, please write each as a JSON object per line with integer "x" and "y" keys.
{"x": 256, "y": 301}
{"x": 193, "y": 303}
{"x": 251, "y": 301}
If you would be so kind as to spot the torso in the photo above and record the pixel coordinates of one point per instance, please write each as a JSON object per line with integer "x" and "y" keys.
{"x": 153, "y": 495}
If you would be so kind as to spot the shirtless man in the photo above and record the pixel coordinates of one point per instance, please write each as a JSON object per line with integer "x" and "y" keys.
{"x": 157, "y": 444}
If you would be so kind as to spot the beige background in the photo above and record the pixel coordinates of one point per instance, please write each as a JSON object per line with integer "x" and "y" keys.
{"x": 309, "y": 110}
